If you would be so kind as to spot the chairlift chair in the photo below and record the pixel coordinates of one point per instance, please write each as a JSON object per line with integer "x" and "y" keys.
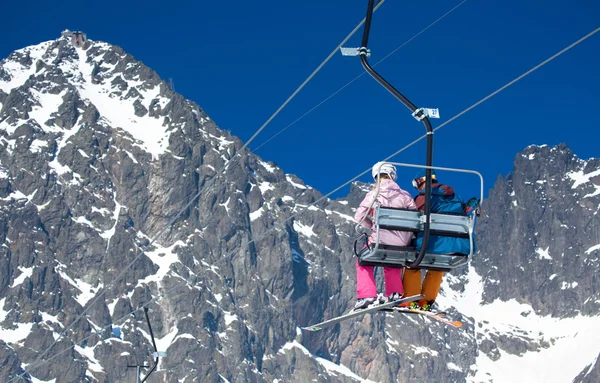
{"x": 397, "y": 219}
{"x": 442, "y": 224}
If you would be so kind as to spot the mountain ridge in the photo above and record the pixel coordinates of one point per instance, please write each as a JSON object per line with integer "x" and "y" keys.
{"x": 98, "y": 155}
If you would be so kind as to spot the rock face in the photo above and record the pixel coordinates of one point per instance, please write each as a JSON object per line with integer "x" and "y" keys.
{"x": 546, "y": 212}
{"x": 117, "y": 194}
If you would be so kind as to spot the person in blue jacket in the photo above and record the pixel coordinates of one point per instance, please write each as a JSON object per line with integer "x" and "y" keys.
{"x": 443, "y": 200}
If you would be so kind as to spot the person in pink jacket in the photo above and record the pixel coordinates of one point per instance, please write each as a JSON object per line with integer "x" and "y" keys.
{"x": 389, "y": 195}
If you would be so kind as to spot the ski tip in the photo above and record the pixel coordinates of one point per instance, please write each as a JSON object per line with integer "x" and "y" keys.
{"x": 311, "y": 328}
{"x": 456, "y": 323}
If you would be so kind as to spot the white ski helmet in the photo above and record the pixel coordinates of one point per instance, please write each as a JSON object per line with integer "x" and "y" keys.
{"x": 386, "y": 168}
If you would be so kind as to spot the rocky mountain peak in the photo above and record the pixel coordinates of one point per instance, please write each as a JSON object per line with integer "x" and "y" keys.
{"x": 544, "y": 214}
{"x": 116, "y": 194}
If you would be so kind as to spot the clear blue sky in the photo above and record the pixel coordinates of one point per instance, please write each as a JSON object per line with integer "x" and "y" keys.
{"x": 240, "y": 60}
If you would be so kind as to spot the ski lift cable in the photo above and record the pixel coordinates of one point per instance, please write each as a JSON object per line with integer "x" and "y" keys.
{"x": 361, "y": 74}
{"x": 309, "y": 78}
{"x": 192, "y": 200}
{"x": 530, "y": 71}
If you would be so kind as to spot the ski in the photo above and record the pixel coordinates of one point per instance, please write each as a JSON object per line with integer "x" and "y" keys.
{"x": 440, "y": 316}
{"x": 352, "y": 314}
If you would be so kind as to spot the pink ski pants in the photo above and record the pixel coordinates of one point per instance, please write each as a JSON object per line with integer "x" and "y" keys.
{"x": 365, "y": 281}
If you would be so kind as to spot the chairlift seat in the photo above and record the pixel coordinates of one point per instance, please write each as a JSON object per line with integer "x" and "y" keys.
{"x": 443, "y": 224}
{"x": 399, "y": 256}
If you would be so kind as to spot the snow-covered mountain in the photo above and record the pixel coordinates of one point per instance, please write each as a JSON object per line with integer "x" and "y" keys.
{"x": 535, "y": 279}
{"x": 97, "y": 158}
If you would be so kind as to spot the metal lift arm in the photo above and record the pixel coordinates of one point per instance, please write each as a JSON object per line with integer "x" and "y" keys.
{"x": 419, "y": 115}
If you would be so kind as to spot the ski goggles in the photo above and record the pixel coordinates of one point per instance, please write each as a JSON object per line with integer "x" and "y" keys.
{"x": 418, "y": 182}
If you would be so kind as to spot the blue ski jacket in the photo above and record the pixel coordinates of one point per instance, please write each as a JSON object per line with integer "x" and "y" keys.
{"x": 443, "y": 200}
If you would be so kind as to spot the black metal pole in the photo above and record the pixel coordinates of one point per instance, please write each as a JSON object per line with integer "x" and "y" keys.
{"x": 153, "y": 343}
{"x": 413, "y": 109}
{"x": 137, "y": 379}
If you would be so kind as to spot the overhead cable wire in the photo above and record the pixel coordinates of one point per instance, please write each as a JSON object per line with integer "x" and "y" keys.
{"x": 481, "y": 101}
{"x": 309, "y": 78}
{"x": 361, "y": 74}
{"x": 193, "y": 199}
{"x": 494, "y": 93}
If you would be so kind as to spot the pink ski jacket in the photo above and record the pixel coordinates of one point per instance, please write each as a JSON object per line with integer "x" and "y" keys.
{"x": 390, "y": 195}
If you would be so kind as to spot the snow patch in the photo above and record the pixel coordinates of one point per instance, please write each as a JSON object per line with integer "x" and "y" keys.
{"x": 344, "y": 216}
{"x": 108, "y": 234}
{"x": 162, "y": 344}
{"x": 16, "y": 195}
{"x": 88, "y": 353}
{"x": 36, "y": 380}
{"x": 269, "y": 167}
{"x": 565, "y": 336}
{"x": 184, "y": 336}
{"x": 48, "y": 105}
{"x": 3, "y": 313}
{"x": 566, "y": 285}
{"x": 229, "y": 318}
{"x": 16, "y": 335}
{"x": 25, "y": 273}
{"x": 294, "y": 184}
{"x": 51, "y": 318}
{"x": 543, "y": 253}
{"x": 86, "y": 290}
{"x": 84, "y": 221}
{"x": 265, "y": 186}
{"x": 328, "y": 365}
{"x": 19, "y": 73}
{"x": 424, "y": 350}
{"x": 148, "y": 131}
{"x": 595, "y": 193}
{"x": 335, "y": 369}
{"x": 304, "y": 229}
{"x": 102, "y": 211}
{"x": 163, "y": 257}
{"x": 111, "y": 305}
{"x": 226, "y": 205}
{"x": 83, "y": 154}
{"x": 37, "y": 145}
{"x": 592, "y": 249}
{"x": 580, "y": 178}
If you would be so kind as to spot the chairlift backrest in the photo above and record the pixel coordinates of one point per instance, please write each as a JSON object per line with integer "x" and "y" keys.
{"x": 440, "y": 224}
